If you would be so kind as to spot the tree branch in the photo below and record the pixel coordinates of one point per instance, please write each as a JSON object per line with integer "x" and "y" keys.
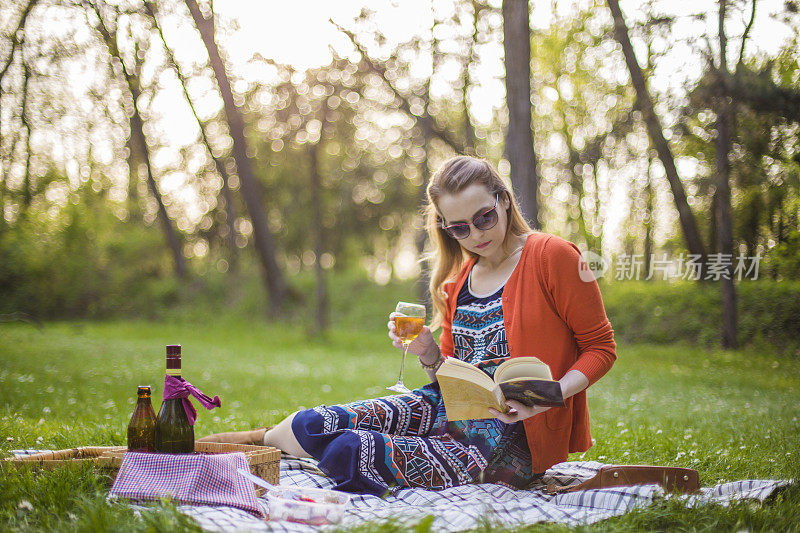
{"x": 219, "y": 164}
{"x": 723, "y": 39}
{"x": 746, "y": 33}
{"x": 15, "y": 42}
{"x": 15, "y": 39}
{"x": 655, "y": 131}
{"x": 137, "y": 130}
{"x": 425, "y": 120}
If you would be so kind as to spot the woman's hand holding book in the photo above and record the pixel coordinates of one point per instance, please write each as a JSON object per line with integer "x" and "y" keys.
{"x": 518, "y": 412}
{"x": 572, "y": 383}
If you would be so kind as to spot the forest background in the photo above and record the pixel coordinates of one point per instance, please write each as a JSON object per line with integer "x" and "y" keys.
{"x": 246, "y": 177}
{"x": 195, "y": 159}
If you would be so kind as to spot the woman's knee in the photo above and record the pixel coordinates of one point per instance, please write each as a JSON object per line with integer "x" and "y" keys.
{"x": 282, "y": 437}
{"x": 306, "y": 423}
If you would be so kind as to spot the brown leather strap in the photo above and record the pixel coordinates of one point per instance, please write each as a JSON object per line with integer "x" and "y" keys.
{"x": 671, "y": 478}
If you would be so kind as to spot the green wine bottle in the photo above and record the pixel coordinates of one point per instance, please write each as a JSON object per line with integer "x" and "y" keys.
{"x": 174, "y": 433}
{"x": 141, "y": 428}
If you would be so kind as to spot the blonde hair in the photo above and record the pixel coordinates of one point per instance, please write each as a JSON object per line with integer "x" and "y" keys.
{"x": 447, "y": 257}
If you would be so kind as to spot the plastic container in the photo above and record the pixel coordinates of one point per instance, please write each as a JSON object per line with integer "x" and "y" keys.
{"x": 315, "y": 507}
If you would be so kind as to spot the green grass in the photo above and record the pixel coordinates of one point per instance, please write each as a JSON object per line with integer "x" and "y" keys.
{"x": 731, "y": 415}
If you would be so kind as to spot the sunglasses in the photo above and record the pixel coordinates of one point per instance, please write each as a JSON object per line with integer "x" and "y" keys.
{"x": 486, "y": 220}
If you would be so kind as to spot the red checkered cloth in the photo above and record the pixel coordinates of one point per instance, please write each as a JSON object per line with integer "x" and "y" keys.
{"x": 205, "y": 479}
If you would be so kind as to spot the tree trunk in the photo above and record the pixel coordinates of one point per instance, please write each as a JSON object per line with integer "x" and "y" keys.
{"x": 753, "y": 216}
{"x": 598, "y": 219}
{"x": 725, "y": 125}
{"x": 576, "y": 184}
{"x": 781, "y": 234}
{"x": 576, "y": 179}
{"x": 466, "y": 80}
{"x": 519, "y": 136}
{"x": 648, "y": 186}
{"x": 422, "y": 234}
{"x": 321, "y": 314}
{"x": 16, "y": 40}
{"x": 134, "y": 159}
{"x": 656, "y": 134}
{"x": 2, "y": 203}
{"x": 427, "y": 134}
{"x": 712, "y": 222}
{"x": 219, "y": 163}
{"x": 230, "y": 219}
{"x": 137, "y": 131}
{"x": 250, "y": 187}
{"x": 173, "y": 241}
{"x": 27, "y": 193}
{"x": 648, "y": 215}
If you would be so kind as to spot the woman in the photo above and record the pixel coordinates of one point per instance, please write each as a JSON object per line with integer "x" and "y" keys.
{"x": 499, "y": 290}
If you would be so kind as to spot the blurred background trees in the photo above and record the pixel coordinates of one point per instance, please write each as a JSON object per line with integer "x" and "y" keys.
{"x": 143, "y": 163}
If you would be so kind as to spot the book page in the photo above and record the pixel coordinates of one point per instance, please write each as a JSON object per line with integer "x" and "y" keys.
{"x": 522, "y": 367}
{"x": 459, "y": 369}
{"x": 466, "y": 400}
{"x": 468, "y": 392}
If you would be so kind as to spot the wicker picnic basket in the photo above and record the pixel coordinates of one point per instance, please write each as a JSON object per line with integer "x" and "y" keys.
{"x": 264, "y": 461}
{"x": 69, "y": 457}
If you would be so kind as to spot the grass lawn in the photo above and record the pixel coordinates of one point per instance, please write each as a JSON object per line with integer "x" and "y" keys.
{"x": 731, "y": 415}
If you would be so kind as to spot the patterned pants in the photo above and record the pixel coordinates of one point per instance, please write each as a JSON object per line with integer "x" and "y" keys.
{"x": 373, "y": 445}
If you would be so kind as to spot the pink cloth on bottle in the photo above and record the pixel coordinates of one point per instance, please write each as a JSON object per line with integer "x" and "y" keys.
{"x": 180, "y": 388}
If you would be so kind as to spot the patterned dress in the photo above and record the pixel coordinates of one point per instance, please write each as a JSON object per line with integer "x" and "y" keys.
{"x": 405, "y": 440}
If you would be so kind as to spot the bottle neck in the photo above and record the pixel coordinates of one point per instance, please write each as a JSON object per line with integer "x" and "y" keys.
{"x": 143, "y": 399}
{"x": 174, "y": 365}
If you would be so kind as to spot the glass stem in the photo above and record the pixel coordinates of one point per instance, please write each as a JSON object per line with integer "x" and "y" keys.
{"x": 402, "y": 365}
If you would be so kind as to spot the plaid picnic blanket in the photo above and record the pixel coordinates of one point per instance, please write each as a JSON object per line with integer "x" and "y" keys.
{"x": 470, "y": 506}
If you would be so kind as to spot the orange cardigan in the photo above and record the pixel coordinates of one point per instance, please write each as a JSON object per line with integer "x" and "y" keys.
{"x": 550, "y": 313}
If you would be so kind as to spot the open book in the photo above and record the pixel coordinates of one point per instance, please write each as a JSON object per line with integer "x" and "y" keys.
{"x": 468, "y": 391}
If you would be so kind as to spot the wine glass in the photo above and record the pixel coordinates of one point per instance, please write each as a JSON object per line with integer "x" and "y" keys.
{"x": 409, "y": 324}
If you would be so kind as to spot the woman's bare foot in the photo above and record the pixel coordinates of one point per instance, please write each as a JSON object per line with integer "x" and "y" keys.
{"x": 251, "y": 436}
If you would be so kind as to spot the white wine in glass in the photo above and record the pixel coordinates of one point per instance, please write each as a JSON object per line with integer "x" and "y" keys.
{"x": 409, "y": 325}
